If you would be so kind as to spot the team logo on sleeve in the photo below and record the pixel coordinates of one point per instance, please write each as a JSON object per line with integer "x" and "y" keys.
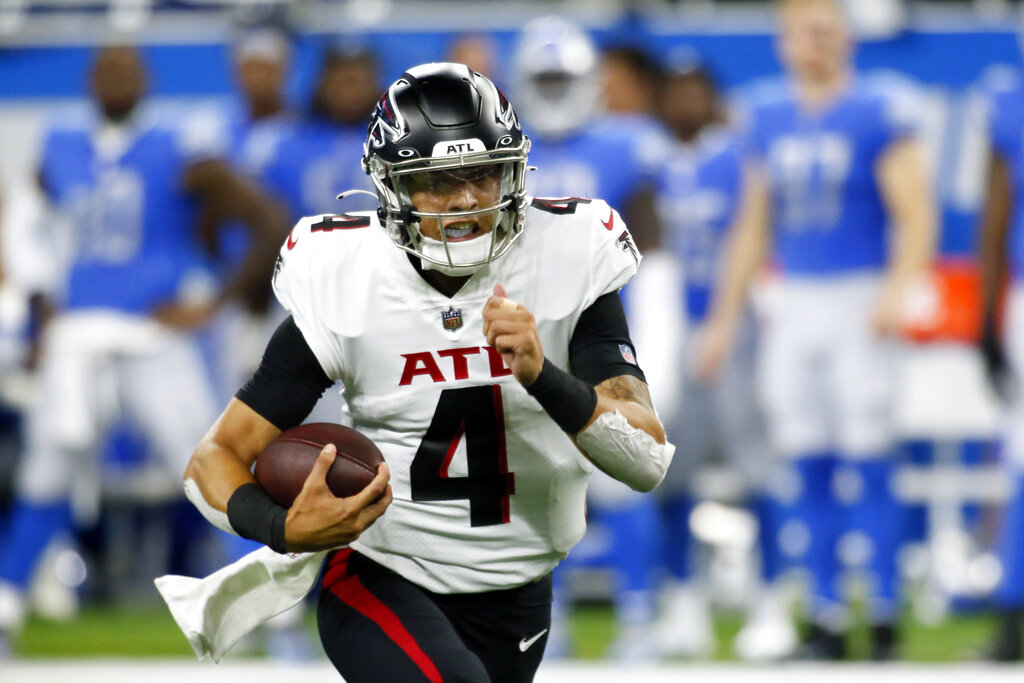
{"x": 278, "y": 265}
{"x": 625, "y": 243}
{"x": 627, "y": 353}
{"x": 452, "y": 318}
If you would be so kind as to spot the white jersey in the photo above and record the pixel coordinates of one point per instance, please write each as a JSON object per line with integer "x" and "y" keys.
{"x": 488, "y": 492}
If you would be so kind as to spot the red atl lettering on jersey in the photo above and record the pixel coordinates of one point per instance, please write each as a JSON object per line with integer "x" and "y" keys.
{"x": 424, "y": 363}
{"x": 459, "y": 363}
{"x": 494, "y": 359}
{"x": 420, "y": 364}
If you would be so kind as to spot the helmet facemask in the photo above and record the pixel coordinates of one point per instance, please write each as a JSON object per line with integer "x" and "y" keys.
{"x": 500, "y": 173}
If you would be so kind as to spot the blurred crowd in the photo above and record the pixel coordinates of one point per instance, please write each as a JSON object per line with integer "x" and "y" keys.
{"x": 848, "y": 422}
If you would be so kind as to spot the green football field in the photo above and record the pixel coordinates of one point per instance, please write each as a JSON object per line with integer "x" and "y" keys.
{"x": 150, "y": 632}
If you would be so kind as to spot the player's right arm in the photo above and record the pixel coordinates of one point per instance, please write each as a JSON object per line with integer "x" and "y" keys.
{"x": 224, "y": 192}
{"x": 219, "y": 480}
{"x": 745, "y": 251}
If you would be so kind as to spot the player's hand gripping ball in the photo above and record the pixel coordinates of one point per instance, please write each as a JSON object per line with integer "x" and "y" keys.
{"x": 284, "y": 465}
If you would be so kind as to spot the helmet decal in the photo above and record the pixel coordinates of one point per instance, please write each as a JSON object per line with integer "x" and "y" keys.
{"x": 506, "y": 116}
{"x": 387, "y": 123}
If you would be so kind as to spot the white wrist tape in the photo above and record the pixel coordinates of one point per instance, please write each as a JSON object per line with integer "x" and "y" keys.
{"x": 629, "y": 454}
{"x": 213, "y": 515}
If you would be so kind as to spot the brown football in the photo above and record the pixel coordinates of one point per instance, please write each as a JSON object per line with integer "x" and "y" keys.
{"x": 282, "y": 467}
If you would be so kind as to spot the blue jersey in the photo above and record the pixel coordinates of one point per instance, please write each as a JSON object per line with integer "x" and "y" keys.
{"x": 827, "y": 213}
{"x": 1006, "y": 128}
{"x": 132, "y": 223}
{"x": 698, "y": 196}
{"x": 252, "y": 146}
{"x": 314, "y": 164}
{"x": 610, "y": 159}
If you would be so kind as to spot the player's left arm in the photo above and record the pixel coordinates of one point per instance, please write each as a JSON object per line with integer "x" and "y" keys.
{"x": 612, "y": 422}
{"x": 903, "y": 181}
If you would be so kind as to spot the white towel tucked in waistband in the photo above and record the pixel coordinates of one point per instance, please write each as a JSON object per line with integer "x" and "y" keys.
{"x": 214, "y": 613}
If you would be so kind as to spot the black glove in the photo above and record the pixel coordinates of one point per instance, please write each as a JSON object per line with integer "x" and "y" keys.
{"x": 997, "y": 365}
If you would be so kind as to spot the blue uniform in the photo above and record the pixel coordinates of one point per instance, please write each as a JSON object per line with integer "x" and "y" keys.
{"x": 315, "y": 163}
{"x": 830, "y": 235}
{"x": 611, "y": 160}
{"x": 134, "y": 248}
{"x": 698, "y": 196}
{"x": 133, "y": 224}
{"x": 252, "y": 146}
{"x": 828, "y": 215}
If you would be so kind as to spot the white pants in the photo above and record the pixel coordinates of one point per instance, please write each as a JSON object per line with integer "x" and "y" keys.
{"x": 98, "y": 366}
{"x": 826, "y": 377}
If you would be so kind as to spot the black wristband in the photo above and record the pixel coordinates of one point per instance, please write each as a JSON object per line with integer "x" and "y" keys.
{"x": 253, "y": 515}
{"x": 569, "y": 401}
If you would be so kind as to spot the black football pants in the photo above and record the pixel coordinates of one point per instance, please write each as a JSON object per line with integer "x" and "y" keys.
{"x": 377, "y": 627}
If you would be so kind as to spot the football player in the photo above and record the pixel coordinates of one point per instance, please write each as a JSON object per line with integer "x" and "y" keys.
{"x": 321, "y": 157}
{"x": 579, "y": 152}
{"x": 128, "y": 183}
{"x": 254, "y": 127}
{"x": 833, "y": 163}
{"x": 699, "y": 193}
{"x": 482, "y": 346}
{"x": 1002, "y": 254}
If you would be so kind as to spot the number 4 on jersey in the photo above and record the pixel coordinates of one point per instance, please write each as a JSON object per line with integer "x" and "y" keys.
{"x": 475, "y": 414}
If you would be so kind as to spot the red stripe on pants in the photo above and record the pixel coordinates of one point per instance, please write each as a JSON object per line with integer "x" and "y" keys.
{"x": 351, "y": 591}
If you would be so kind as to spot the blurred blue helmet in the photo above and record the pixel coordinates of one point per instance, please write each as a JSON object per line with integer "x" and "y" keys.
{"x": 555, "y": 76}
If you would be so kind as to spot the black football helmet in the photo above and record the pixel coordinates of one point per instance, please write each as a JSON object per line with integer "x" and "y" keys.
{"x": 445, "y": 117}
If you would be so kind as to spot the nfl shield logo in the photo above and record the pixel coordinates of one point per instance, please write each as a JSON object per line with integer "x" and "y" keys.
{"x": 627, "y": 353}
{"x": 452, "y": 318}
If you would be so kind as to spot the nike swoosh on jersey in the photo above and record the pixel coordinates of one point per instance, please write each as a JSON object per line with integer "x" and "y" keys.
{"x": 525, "y": 643}
{"x": 611, "y": 220}
{"x": 291, "y": 240}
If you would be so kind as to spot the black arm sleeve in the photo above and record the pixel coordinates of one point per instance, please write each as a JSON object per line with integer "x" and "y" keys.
{"x": 289, "y": 380}
{"x": 600, "y": 343}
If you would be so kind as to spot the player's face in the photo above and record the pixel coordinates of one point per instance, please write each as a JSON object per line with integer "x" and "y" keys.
{"x": 348, "y": 91}
{"x": 460, "y": 189}
{"x": 687, "y": 105}
{"x": 261, "y": 79}
{"x": 814, "y": 41}
{"x": 623, "y": 88}
{"x": 118, "y": 81}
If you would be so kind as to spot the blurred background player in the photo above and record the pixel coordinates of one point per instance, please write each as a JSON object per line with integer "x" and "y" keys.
{"x": 256, "y": 124}
{"x": 321, "y": 158}
{"x": 1001, "y": 256}
{"x": 833, "y": 163}
{"x": 579, "y": 154}
{"x": 719, "y": 422}
{"x": 129, "y": 185}
{"x": 478, "y": 52}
